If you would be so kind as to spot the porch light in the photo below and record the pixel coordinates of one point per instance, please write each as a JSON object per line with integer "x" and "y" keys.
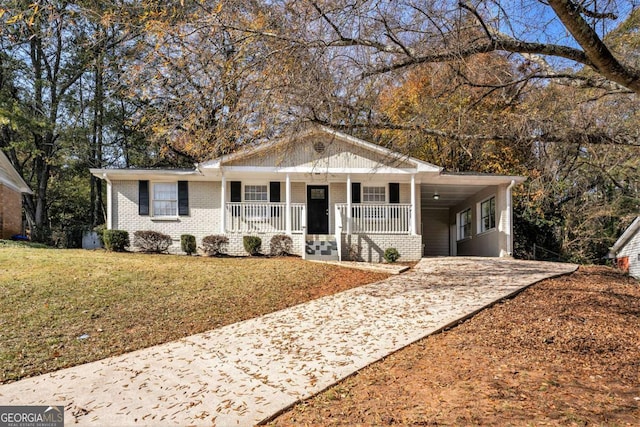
{"x": 436, "y": 196}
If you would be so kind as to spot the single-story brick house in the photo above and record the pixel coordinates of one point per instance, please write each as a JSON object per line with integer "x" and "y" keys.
{"x": 331, "y": 192}
{"x": 12, "y": 186}
{"x": 626, "y": 250}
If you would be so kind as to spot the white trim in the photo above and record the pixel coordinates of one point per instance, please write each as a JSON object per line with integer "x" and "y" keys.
{"x": 223, "y": 207}
{"x": 349, "y": 202}
{"x": 509, "y": 226}
{"x": 13, "y": 179}
{"x": 140, "y": 174}
{"x": 109, "y": 204}
{"x": 316, "y": 170}
{"x": 287, "y": 191}
{"x": 414, "y": 214}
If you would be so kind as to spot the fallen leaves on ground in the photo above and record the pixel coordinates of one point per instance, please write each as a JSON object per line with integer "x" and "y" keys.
{"x": 566, "y": 351}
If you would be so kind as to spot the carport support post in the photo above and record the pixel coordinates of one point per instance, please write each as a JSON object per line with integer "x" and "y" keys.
{"x": 109, "y": 203}
{"x": 223, "y": 209}
{"x": 349, "y": 204}
{"x": 413, "y": 206}
{"x": 287, "y": 215}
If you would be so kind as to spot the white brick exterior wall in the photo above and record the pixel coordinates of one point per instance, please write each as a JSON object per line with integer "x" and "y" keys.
{"x": 236, "y": 247}
{"x": 205, "y": 215}
{"x": 372, "y": 246}
{"x": 203, "y": 218}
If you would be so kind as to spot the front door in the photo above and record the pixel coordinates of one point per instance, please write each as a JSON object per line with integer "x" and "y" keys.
{"x": 318, "y": 209}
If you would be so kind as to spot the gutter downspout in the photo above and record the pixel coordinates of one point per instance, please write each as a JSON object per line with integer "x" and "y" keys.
{"x": 510, "y": 219}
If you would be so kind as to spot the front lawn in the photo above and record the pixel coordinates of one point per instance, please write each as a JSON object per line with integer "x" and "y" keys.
{"x": 60, "y": 308}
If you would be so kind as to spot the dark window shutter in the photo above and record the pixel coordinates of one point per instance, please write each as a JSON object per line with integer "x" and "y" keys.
{"x": 274, "y": 197}
{"x": 236, "y": 191}
{"x": 355, "y": 192}
{"x": 394, "y": 192}
{"x": 183, "y": 197}
{"x": 394, "y": 197}
{"x": 274, "y": 192}
{"x": 143, "y": 197}
{"x": 355, "y": 198}
{"x": 236, "y": 196}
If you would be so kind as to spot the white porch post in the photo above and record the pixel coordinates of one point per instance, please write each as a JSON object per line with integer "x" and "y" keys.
{"x": 413, "y": 205}
{"x": 287, "y": 214}
{"x": 223, "y": 208}
{"x": 109, "y": 204}
{"x": 348, "y": 204}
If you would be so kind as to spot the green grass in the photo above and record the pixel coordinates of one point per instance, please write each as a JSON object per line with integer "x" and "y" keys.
{"x": 127, "y": 301}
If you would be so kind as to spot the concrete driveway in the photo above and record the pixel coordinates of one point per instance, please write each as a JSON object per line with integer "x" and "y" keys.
{"x": 247, "y": 372}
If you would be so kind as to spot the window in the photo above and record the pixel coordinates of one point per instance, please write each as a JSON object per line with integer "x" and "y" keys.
{"x": 488, "y": 214}
{"x": 165, "y": 199}
{"x": 255, "y": 193}
{"x": 464, "y": 224}
{"x": 318, "y": 193}
{"x": 373, "y": 194}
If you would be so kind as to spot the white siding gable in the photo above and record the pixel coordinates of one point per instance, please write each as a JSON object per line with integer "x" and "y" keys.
{"x": 322, "y": 152}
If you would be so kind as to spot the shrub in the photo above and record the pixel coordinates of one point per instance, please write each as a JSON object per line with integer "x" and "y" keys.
{"x": 151, "y": 241}
{"x": 391, "y": 255}
{"x": 188, "y": 243}
{"x": 281, "y": 245}
{"x": 252, "y": 244}
{"x": 115, "y": 240}
{"x": 100, "y": 229}
{"x": 215, "y": 245}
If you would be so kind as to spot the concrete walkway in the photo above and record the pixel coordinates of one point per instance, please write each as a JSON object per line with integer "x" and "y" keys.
{"x": 245, "y": 373}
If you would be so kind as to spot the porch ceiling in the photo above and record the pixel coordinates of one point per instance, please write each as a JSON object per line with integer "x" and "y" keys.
{"x": 450, "y": 195}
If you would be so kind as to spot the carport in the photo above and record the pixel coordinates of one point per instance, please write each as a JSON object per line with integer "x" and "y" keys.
{"x": 467, "y": 215}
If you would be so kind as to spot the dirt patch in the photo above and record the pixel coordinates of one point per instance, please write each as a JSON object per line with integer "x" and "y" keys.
{"x": 564, "y": 352}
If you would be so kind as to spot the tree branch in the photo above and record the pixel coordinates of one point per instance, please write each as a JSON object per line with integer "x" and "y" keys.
{"x": 574, "y": 137}
{"x": 598, "y": 54}
{"x": 499, "y": 43}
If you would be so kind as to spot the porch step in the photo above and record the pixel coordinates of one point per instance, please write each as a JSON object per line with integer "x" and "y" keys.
{"x": 321, "y": 247}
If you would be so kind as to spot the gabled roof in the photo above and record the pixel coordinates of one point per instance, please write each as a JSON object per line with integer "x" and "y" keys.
{"x": 317, "y": 130}
{"x": 10, "y": 177}
{"x": 625, "y": 237}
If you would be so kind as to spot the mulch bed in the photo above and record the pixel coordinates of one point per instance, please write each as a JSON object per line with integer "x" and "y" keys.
{"x": 565, "y": 351}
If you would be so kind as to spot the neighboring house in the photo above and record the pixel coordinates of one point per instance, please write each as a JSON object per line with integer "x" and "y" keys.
{"x": 626, "y": 250}
{"x": 334, "y": 194}
{"x": 12, "y": 186}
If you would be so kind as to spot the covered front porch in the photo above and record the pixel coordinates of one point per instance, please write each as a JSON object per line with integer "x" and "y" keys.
{"x": 321, "y": 215}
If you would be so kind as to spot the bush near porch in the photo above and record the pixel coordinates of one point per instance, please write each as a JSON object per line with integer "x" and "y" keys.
{"x": 61, "y": 307}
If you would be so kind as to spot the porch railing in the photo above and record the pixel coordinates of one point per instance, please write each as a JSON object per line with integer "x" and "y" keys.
{"x": 263, "y": 217}
{"x": 376, "y": 218}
